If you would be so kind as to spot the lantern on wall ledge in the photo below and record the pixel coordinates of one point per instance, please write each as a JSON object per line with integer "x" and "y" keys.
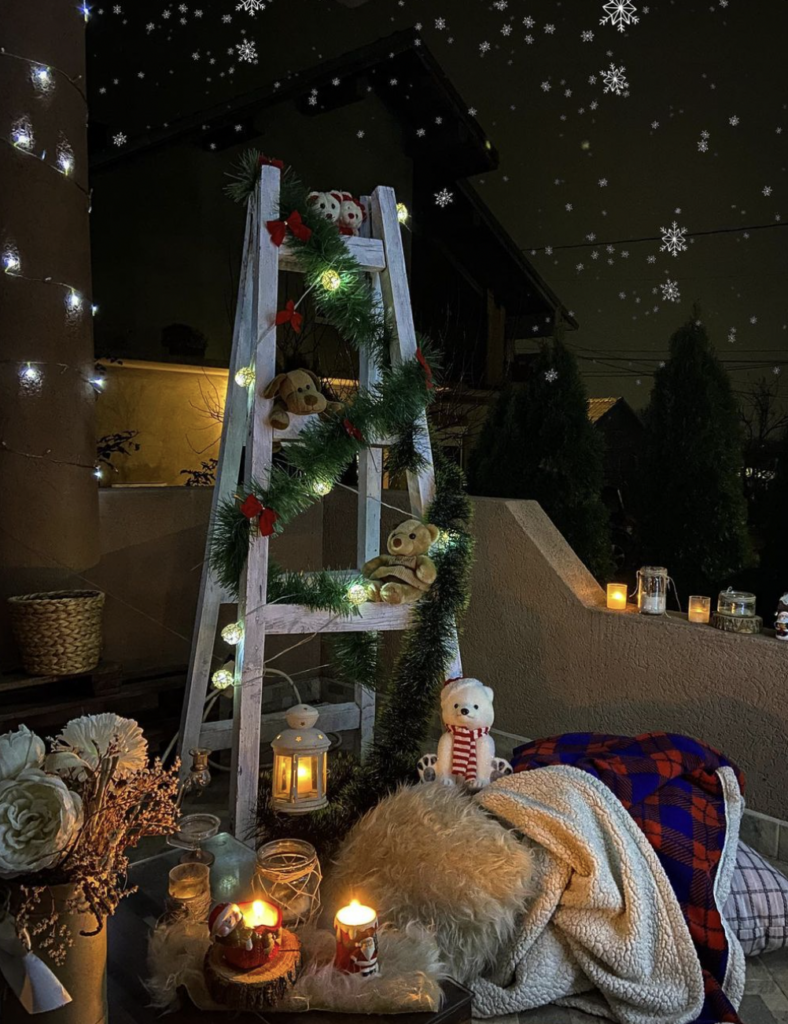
{"x": 300, "y": 771}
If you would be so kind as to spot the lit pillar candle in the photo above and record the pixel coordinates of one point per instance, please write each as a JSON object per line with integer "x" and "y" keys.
{"x": 617, "y": 596}
{"x": 356, "y": 929}
{"x": 699, "y": 609}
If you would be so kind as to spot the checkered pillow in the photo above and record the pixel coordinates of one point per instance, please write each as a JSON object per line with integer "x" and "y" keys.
{"x": 757, "y": 908}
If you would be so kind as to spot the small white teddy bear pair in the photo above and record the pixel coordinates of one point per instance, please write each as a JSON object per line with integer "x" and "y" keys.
{"x": 466, "y": 751}
{"x": 341, "y": 208}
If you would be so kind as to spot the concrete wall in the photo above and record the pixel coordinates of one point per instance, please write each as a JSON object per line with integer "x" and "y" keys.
{"x": 537, "y": 631}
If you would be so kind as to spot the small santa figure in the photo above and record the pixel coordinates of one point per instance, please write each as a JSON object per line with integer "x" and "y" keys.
{"x": 781, "y": 619}
{"x": 365, "y": 957}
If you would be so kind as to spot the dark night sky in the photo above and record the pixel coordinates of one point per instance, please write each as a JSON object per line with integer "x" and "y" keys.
{"x": 691, "y": 68}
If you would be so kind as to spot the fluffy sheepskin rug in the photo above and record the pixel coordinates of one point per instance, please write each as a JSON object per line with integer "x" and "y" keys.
{"x": 430, "y": 854}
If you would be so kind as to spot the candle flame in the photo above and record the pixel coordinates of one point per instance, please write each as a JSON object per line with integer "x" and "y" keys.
{"x": 261, "y": 914}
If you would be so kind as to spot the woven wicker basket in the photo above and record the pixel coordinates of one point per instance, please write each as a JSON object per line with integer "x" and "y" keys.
{"x": 58, "y": 633}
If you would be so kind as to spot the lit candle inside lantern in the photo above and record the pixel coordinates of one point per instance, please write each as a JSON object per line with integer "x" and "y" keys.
{"x": 356, "y": 930}
{"x": 304, "y": 775}
{"x": 617, "y": 596}
{"x": 699, "y": 609}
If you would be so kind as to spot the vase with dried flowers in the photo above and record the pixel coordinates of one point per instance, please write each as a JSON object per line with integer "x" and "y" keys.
{"x": 67, "y": 820}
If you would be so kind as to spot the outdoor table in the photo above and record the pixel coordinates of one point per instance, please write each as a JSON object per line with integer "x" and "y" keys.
{"x": 230, "y": 876}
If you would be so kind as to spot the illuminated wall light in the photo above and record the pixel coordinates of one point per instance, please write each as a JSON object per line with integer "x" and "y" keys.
{"x": 22, "y": 134}
{"x": 402, "y": 213}
{"x": 30, "y": 373}
{"x": 233, "y": 634}
{"x": 74, "y": 300}
{"x": 30, "y": 379}
{"x": 65, "y": 158}
{"x": 11, "y": 263}
{"x": 245, "y": 376}
{"x": 42, "y": 77}
{"x": 330, "y": 280}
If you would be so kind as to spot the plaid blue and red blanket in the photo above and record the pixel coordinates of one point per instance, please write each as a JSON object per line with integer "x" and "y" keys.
{"x": 669, "y": 785}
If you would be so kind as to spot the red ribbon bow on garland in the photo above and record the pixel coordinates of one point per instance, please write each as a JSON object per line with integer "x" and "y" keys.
{"x": 289, "y": 315}
{"x": 270, "y": 161}
{"x": 426, "y": 367}
{"x": 352, "y": 431}
{"x": 253, "y": 508}
{"x": 277, "y": 229}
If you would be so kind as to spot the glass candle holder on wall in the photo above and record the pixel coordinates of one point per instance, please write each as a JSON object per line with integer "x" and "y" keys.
{"x": 652, "y": 590}
{"x": 699, "y": 609}
{"x": 736, "y": 602}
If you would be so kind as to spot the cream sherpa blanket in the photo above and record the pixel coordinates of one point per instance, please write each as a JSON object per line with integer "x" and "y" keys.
{"x": 605, "y": 917}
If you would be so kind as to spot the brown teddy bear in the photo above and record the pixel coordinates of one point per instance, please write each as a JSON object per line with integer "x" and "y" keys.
{"x": 403, "y": 575}
{"x": 298, "y": 394}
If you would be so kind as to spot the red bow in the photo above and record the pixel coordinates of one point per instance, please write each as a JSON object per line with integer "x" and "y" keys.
{"x": 426, "y": 367}
{"x": 289, "y": 315}
{"x": 277, "y": 229}
{"x": 253, "y": 508}
{"x": 352, "y": 431}
{"x": 269, "y": 161}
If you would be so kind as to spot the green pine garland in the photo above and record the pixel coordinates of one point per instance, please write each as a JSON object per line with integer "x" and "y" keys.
{"x": 318, "y": 591}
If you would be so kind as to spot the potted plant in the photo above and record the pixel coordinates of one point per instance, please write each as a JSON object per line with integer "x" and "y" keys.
{"x": 67, "y": 820}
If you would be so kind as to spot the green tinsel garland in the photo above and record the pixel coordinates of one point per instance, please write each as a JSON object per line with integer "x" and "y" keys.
{"x": 412, "y": 693}
{"x": 318, "y": 591}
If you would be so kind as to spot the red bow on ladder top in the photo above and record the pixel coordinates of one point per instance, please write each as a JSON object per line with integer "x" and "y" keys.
{"x": 277, "y": 229}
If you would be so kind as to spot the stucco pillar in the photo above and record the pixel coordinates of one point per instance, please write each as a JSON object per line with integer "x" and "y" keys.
{"x": 48, "y": 493}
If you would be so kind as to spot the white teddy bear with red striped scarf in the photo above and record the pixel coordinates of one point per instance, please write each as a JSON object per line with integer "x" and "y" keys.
{"x": 466, "y": 750}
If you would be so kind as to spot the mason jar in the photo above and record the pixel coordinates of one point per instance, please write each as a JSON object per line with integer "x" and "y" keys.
{"x": 652, "y": 590}
{"x": 288, "y": 873}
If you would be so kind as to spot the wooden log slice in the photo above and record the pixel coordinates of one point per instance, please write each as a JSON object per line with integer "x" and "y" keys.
{"x": 258, "y": 989}
{"x": 737, "y": 623}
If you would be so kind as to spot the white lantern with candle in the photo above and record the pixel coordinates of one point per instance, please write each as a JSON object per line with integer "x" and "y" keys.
{"x": 299, "y": 780}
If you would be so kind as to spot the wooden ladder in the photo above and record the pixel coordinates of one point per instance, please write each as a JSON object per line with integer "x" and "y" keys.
{"x": 245, "y": 423}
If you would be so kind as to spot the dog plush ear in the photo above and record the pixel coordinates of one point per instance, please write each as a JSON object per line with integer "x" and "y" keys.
{"x": 315, "y": 379}
{"x": 273, "y": 388}
{"x": 434, "y": 532}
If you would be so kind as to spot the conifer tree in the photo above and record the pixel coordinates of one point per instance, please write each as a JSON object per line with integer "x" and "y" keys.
{"x": 693, "y": 513}
{"x": 538, "y": 443}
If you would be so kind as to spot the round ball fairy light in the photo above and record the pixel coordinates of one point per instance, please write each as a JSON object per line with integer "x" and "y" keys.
{"x": 321, "y": 488}
{"x": 233, "y": 634}
{"x": 330, "y": 280}
{"x": 402, "y": 213}
{"x": 222, "y": 679}
{"x": 245, "y": 376}
{"x": 358, "y": 593}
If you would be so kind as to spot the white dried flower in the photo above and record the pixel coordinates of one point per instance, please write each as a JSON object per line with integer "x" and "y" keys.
{"x": 19, "y": 750}
{"x": 85, "y": 741}
{"x": 39, "y": 817}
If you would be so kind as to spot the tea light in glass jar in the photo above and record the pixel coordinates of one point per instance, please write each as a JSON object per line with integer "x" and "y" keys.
{"x": 699, "y": 609}
{"x": 617, "y": 596}
{"x": 356, "y": 929}
{"x": 189, "y": 891}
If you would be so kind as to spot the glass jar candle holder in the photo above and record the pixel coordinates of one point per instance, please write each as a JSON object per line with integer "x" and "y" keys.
{"x": 288, "y": 873}
{"x": 189, "y": 889}
{"x": 652, "y": 590}
{"x": 617, "y": 596}
{"x": 736, "y": 602}
{"x": 699, "y": 609}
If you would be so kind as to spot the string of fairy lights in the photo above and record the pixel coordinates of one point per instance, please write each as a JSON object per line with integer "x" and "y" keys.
{"x": 32, "y": 374}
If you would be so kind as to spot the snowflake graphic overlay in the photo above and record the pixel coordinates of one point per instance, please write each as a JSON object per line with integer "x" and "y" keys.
{"x": 619, "y": 14}
{"x": 615, "y": 80}
{"x": 670, "y": 291}
{"x": 444, "y": 197}
{"x": 252, "y": 6}
{"x": 119, "y": 139}
{"x": 247, "y": 52}
{"x": 673, "y": 240}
